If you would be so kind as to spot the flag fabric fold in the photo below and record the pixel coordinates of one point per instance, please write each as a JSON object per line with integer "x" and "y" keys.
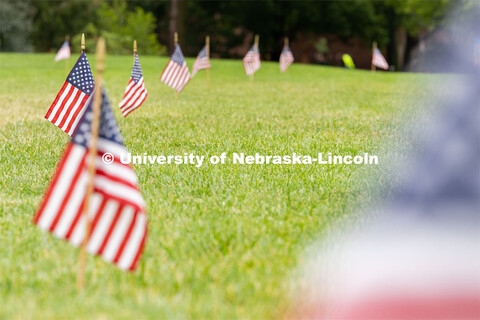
{"x": 251, "y": 61}
{"x": 116, "y": 211}
{"x": 201, "y": 62}
{"x": 135, "y": 93}
{"x": 286, "y": 58}
{"x": 176, "y": 74}
{"x": 378, "y": 60}
{"x": 63, "y": 53}
{"x": 69, "y": 105}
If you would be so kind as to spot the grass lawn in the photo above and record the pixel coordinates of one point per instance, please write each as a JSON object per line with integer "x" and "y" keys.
{"x": 223, "y": 239}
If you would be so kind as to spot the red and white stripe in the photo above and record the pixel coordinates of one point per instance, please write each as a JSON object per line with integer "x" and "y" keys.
{"x": 251, "y": 62}
{"x": 378, "y": 60}
{"x": 118, "y": 222}
{"x": 62, "y": 54}
{"x": 67, "y": 108}
{"x": 176, "y": 76}
{"x": 200, "y": 64}
{"x": 135, "y": 94}
{"x": 286, "y": 59}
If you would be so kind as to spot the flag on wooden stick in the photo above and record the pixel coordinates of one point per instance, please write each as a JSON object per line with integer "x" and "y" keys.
{"x": 176, "y": 74}
{"x": 378, "y": 59}
{"x": 118, "y": 221}
{"x": 251, "y": 61}
{"x": 202, "y": 62}
{"x": 63, "y": 53}
{"x": 135, "y": 93}
{"x": 69, "y": 105}
{"x": 286, "y": 58}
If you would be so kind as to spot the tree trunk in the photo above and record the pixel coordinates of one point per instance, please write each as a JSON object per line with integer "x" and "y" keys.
{"x": 401, "y": 40}
{"x": 172, "y": 22}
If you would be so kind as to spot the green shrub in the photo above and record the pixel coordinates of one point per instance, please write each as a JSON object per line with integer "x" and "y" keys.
{"x": 120, "y": 27}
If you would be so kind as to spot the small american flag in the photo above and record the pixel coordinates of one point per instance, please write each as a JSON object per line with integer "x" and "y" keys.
{"x": 69, "y": 105}
{"x": 378, "y": 59}
{"x": 251, "y": 61}
{"x": 118, "y": 221}
{"x": 136, "y": 92}
{"x": 202, "y": 61}
{"x": 63, "y": 53}
{"x": 286, "y": 58}
{"x": 176, "y": 74}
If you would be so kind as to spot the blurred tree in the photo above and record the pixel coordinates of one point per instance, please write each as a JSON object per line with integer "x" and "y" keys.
{"x": 120, "y": 26}
{"x": 16, "y": 23}
{"x": 409, "y": 18}
{"x": 57, "y": 18}
{"x": 233, "y": 23}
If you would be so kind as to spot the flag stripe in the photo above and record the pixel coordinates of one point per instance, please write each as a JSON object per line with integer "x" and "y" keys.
{"x": 56, "y": 176}
{"x": 64, "y": 95}
{"x": 121, "y": 228}
{"x": 110, "y": 230}
{"x": 71, "y": 105}
{"x": 137, "y": 103}
{"x": 75, "y": 202}
{"x": 126, "y": 238}
{"x": 59, "y": 191}
{"x": 74, "y": 112}
{"x": 98, "y": 236}
{"x": 143, "y": 236}
{"x": 71, "y": 186}
{"x": 50, "y": 110}
{"x": 69, "y": 99}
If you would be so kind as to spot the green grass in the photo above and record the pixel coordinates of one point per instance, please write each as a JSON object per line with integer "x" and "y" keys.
{"x": 223, "y": 239}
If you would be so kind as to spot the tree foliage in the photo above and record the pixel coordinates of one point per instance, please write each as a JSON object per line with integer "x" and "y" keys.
{"x": 120, "y": 26}
{"x": 16, "y": 24}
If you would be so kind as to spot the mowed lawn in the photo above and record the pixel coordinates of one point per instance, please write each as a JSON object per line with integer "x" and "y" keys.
{"x": 223, "y": 239}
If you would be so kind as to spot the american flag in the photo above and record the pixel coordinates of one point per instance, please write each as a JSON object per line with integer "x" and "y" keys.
{"x": 63, "y": 53}
{"x": 251, "y": 61}
{"x": 286, "y": 58}
{"x": 202, "y": 61}
{"x": 176, "y": 74}
{"x": 136, "y": 92}
{"x": 118, "y": 221}
{"x": 378, "y": 59}
{"x": 69, "y": 105}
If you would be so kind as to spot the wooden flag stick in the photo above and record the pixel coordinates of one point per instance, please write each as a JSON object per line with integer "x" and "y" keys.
{"x": 92, "y": 154}
{"x": 134, "y": 54}
{"x": 285, "y": 42}
{"x": 255, "y": 45}
{"x": 82, "y": 44}
{"x": 207, "y": 46}
{"x": 175, "y": 41}
{"x": 374, "y": 46}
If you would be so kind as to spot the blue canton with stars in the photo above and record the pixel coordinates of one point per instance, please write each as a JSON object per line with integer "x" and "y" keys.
{"x": 81, "y": 75}
{"x": 108, "y": 128}
{"x": 203, "y": 53}
{"x": 136, "y": 70}
{"x": 177, "y": 56}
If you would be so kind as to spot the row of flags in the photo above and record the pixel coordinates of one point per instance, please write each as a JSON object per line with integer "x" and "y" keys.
{"x": 116, "y": 208}
{"x": 251, "y": 61}
{"x": 116, "y": 211}
{"x": 117, "y": 219}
